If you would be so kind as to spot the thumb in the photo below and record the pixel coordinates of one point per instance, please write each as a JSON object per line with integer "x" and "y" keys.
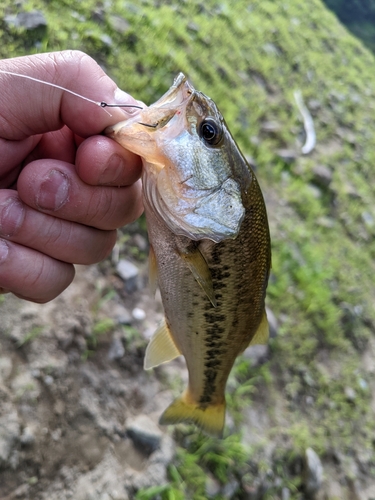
{"x": 28, "y": 107}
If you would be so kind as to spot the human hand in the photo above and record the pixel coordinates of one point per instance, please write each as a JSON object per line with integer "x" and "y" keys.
{"x": 64, "y": 189}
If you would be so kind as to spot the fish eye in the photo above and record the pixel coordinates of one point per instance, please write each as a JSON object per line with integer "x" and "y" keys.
{"x": 210, "y": 131}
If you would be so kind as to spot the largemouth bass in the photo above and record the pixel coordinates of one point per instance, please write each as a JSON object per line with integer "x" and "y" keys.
{"x": 210, "y": 245}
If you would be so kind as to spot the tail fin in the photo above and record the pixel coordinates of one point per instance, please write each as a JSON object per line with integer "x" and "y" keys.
{"x": 210, "y": 419}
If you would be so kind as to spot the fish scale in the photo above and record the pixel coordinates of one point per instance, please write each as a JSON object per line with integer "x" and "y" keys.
{"x": 210, "y": 242}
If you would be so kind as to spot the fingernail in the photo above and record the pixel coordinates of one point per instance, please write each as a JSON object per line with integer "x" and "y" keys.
{"x": 121, "y": 97}
{"x": 4, "y": 250}
{"x": 113, "y": 170}
{"x": 53, "y": 192}
{"x": 12, "y": 214}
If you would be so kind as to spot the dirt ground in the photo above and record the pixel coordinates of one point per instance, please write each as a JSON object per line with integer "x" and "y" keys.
{"x": 78, "y": 414}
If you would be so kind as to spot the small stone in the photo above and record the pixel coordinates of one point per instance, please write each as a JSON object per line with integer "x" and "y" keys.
{"x": 230, "y": 489}
{"x": 313, "y": 473}
{"x": 192, "y": 26}
{"x": 258, "y": 354}
{"x": 272, "y": 323}
{"x": 28, "y": 436}
{"x": 121, "y": 315}
{"x": 119, "y": 24}
{"x": 271, "y": 127}
{"x": 129, "y": 273}
{"x": 9, "y": 436}
{"x": 48, "y": 380}
{"x": 368, "y": 219}
{"x": 106, "y": 40}
{"x": 145, "y": 434}
{"x": 138, "y": 314}
{"x": 56, "y": 434}
{"x": 285, "y": 494}
{"x": 141, "y": 242}
{"x": 29, "y": 20}
{"x": 6, "y": 366}
{"x": 287, "y": 155}
{"x": 250, "y": 160}
{"x": 212, "y": 486}
{"x": 322, "y": 175}
{"x": 350, "y": 393}
{"x": 26, "y": 387}
{"x": 116, "y": 349}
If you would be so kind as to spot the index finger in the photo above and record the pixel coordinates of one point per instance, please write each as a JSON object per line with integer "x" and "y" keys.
{"x": 29, "y": 107}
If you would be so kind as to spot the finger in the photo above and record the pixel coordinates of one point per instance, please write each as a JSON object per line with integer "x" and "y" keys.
{"x": 48, "y": 108}
{"x": 101, "y": 161}
{"x": 32, "y": 275}
{"x": 59, "y": 145}
{"x": 53, "y": 187}
{"x": 63, "y": 240}
{"x": 12, "y": 154}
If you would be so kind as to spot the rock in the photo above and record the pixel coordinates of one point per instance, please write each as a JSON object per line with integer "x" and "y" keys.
{"x": 257, "y": 353}
{"x": 120, "y": 314}
{"x": 119, "y": 24}
{"x": 129, "y": 273}
{"x": 29, "y": 20}
{"x": 271, "y": 127}
{"x": 116, "y": 349}
{"x": 313, "y": 473}
{"x": 6, "y": 366}
{"x": 229, "y": 489}
{"x": 145, "y": 434}
{"x": 322, "y": 175}
{"x": 250, "y": 160}
{"x": 355, "y": 490}
{"x": 212, "y": 486}
{"x": 28, "y": 436}
{"x": 368, "y": 219}
{"x": 287, "y": 155}
{"x": 141, "y": 242}
{"x": 48, "y": 380}
{"x": 25, "y": 387}
{"x": 138, "y": 314}
{"x": 106, "y": 40}
{"x": 272, "y": 323}
{"x": 285, "y": 494}
{"x": 350, "y": 393}
{"x": 9, "y": 436}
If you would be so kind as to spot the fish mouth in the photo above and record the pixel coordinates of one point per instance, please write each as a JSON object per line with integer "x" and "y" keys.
{"x": 139, "y": 133}
{"x": 177, "y": 95}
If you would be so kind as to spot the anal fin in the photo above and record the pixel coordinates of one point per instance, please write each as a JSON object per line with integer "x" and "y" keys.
{"x": 161, "y": 348}
{"x": 201, "y": 272}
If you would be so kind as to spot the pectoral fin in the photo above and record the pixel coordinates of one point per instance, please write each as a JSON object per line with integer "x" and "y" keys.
{"x": 262, "y": 334}
{"x": 152, "y": 271}
{"x": 161, "y": 348}
{"x": 201, "y": 272}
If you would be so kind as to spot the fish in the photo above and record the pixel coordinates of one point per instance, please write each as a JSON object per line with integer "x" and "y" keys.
{"x": 210, "y": 248}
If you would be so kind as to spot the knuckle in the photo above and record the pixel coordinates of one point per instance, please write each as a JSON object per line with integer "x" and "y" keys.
{"x": 101, "y": 208}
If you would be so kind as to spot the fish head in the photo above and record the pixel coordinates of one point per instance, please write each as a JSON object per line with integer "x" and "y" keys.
{"x": 194, "y": 175}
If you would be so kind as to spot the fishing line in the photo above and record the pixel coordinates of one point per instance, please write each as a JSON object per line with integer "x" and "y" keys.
{"x": 101, "y": 104}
